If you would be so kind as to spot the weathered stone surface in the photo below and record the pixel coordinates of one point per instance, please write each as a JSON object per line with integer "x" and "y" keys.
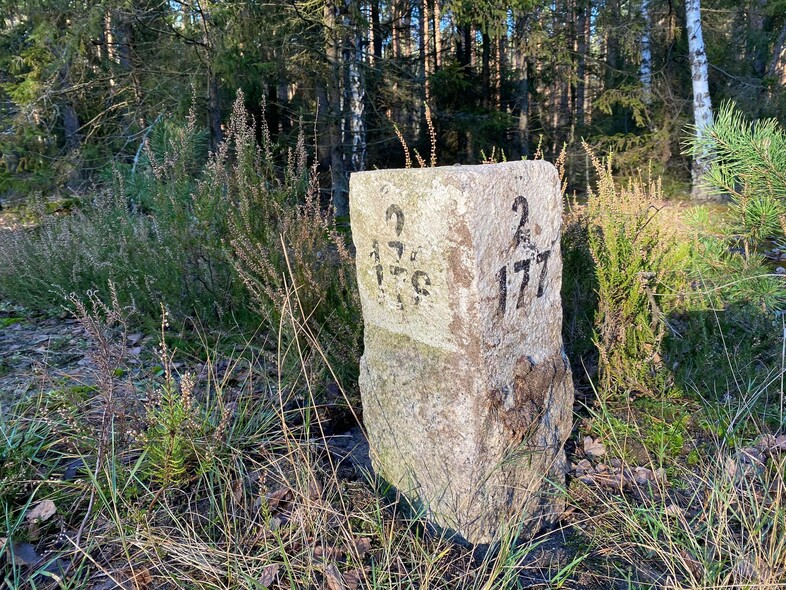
{"x": 467, "y": 395}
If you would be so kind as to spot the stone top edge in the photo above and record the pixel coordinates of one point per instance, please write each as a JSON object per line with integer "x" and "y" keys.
{"x": 479, "y": 169}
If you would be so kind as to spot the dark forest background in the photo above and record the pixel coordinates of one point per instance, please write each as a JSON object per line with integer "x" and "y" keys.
{"x": 85, "y": 83}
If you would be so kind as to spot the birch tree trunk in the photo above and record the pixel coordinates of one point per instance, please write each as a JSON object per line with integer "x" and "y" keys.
{"x": 702, "y": 108}
{"x": 356, "y": 86}
{"x": 645, "y": 68}
{"x": 485, "y": 71}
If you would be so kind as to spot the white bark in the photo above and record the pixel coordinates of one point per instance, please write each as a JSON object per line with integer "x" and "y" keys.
{"x": 355, "y": 87}
{"x": 357, "y": 125}
{"x": 702, "y": 108}
{"x": 645, "y": 70}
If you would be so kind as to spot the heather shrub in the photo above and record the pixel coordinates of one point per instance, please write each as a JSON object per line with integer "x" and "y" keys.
{"x": 287, "y": 251}
{"x": 632, "y": 259}
{"x": 228, "y": 246}
{"x": 100, "y": 243}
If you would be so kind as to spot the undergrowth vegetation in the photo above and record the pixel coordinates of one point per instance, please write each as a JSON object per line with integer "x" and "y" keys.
{"x": 239, "y": 462}
{"x": 212, "y": 247}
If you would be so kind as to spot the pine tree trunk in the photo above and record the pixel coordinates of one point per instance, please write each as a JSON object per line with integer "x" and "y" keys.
{"x": 281, "y": 119}
{"x": 645, "y": 68}
{"x": 70, "y": 126}
{"x": 395, "y": 20}
{"x": 425, "y": 49}
{"x": 486, "y": 71}
{"x": 333, "y": 112}
{"x": 73, "y": 138}
{"x": 214, "y": 110}
{"x": 464, "y": 47}
{"x": 472, "y": 57}
{"x": 437, "y": 35}
{"x": 581, "y": 64}
{"x": 522, "y": 97}
{"x": 406, "y": 29}
{"x": 702, "y": 108}
{"x": 376, "y": 30}
{"x": 499, "y": 69}
{"x": 776, "y": 69}
{"x": 757, "y": 38}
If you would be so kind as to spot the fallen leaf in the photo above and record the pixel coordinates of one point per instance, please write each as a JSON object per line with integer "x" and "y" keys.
{"x": 314, "y": 489}
{"x": 779, "y": 443}
{"x": 2, "y": 542}
{"x": 277, "y": 522}
{"x": 693, "y": 565}
{"x": 748, "y": 570}
{"x": 25, "y": 554}
{"x": 582, "y": 467}
{"x": 142, "y": 579}
{"x": 752, "y": 455}
{"x": 269, "y": 573}
{"x": 362, "y": 546}
{"x": 354, "y": 577}
{"x": 275, "y": 498}
{"x": 135, "y": 351}
{"x": 327, "y": 553}
{"x": 772, "y": 444}
{"x": 134, "y": 338}
{"x": 642, "y": 475}
{"x": 41, "y": 512}
{"x": 593, "y": 448}
{"x": 333, "y": 577}
{"x": 613, "y": 479}
{"x": 674, "y": 510}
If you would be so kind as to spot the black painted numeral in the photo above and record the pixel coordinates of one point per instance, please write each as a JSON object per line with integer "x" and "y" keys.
{"x": 502, "y": 281}
{"x": 420, "y": 280}
{"x": 395, "y": 210}
{"x": 398, "y": 247}
{"x": 522, "y": 266}
{"x": 544, "y": 258}
{"x": 378, "y": 268}
{"x": 522, "y": 231}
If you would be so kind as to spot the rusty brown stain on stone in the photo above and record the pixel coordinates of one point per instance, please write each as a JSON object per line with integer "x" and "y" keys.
{"x": 532, "y": 384}
{"x": 461, "y": 277}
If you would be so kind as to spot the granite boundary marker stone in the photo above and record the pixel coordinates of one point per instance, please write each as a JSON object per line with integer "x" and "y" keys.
{"x": 467, "y": 394}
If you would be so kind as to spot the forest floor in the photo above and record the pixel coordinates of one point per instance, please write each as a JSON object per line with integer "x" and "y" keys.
{"x": 55, "y": 357}
{"x": 218, "y": 464}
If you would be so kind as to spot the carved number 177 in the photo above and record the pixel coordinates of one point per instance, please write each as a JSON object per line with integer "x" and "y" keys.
{"x": 521, "y": 206}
